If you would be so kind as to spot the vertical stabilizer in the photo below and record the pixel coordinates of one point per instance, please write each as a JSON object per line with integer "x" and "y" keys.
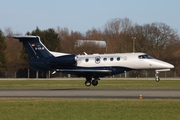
{"x": 34, "y": 47}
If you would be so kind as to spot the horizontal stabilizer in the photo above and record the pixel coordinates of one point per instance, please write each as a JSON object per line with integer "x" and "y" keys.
{"x": 25, "y": 37}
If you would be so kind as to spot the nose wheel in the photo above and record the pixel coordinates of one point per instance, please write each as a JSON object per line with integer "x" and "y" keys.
{"x": 157, "y": 79}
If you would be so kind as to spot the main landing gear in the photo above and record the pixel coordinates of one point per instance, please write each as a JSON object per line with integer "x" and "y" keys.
{"x": 157, "y": 79}
{"x": 89, "y": 81}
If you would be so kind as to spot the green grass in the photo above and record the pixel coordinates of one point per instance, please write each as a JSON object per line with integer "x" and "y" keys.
{"x": 107, "y": 84}
{"x": 89, "y": 109}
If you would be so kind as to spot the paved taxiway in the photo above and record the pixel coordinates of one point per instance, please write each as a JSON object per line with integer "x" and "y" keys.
{"x": 90, "y": 93}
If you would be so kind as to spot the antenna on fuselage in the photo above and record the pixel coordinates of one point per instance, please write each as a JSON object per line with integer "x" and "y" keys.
{"x": 85, "y": 53}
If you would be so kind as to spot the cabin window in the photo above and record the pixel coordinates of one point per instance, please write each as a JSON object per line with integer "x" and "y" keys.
{"x": 118, "y": 58}
{"x": 105, "y": 59}
{"x": 111, "y": 59}
{"x": 87, "y": 60}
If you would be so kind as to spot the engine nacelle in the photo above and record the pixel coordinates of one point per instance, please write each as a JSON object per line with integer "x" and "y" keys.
{"x": 66, "y": 60}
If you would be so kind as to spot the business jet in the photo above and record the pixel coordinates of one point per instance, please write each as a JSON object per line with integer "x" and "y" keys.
{"x": 90, "y": 66}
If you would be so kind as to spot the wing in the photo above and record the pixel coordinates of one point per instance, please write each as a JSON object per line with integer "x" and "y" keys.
{"x": 87, "y": 72}
{"x": 84, "y": 70}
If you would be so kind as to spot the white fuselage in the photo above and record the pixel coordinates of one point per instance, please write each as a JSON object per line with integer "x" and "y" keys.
{"x": 127, "y": 60}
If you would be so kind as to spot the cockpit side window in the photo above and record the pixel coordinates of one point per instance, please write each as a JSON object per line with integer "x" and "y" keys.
{"x": 149, "y": 57}
{"x": 141, "y": 57}
{"x": 146, "y": 56}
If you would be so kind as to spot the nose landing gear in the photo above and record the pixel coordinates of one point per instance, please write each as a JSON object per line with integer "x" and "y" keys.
{"x": 157, "y": 79}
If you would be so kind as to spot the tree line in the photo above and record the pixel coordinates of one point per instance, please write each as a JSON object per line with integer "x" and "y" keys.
{"x": 121, "y": 35}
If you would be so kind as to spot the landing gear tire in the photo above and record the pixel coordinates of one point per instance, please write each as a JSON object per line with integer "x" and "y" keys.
{"x": 88, "y": 83}
{"x": 157, "y": 79}
{"x": 94, "y": 82}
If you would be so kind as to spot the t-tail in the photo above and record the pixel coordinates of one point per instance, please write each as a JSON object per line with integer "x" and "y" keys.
{"x": 34, "y": 47}
{"x": 43, "y": 59}
{"x": 38, "y": 54}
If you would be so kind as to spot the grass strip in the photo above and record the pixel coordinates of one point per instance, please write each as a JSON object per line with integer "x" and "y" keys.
{"x": 88, "y": 109}
{"x": 107, "y": 84}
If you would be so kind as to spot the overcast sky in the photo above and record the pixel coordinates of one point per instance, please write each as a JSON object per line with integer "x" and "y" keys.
{"x": 83, "y": 15}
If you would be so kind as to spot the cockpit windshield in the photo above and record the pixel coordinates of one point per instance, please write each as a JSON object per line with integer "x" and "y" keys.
{"x": 145, "y": 56}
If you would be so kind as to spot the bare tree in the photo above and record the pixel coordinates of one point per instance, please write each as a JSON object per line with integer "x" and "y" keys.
{"x": 115, "y": 33}
{"x": 12, "y": 52}
{"x": 153, "y": 38}
{"x": 68, "y": 39}
{"x": 8, "y": 32}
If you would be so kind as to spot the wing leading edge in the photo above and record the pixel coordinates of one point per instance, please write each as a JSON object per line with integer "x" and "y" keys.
{"x": 83, "y": 70}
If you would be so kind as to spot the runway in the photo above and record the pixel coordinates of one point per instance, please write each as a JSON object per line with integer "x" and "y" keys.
{"x": 90, "y": 93}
